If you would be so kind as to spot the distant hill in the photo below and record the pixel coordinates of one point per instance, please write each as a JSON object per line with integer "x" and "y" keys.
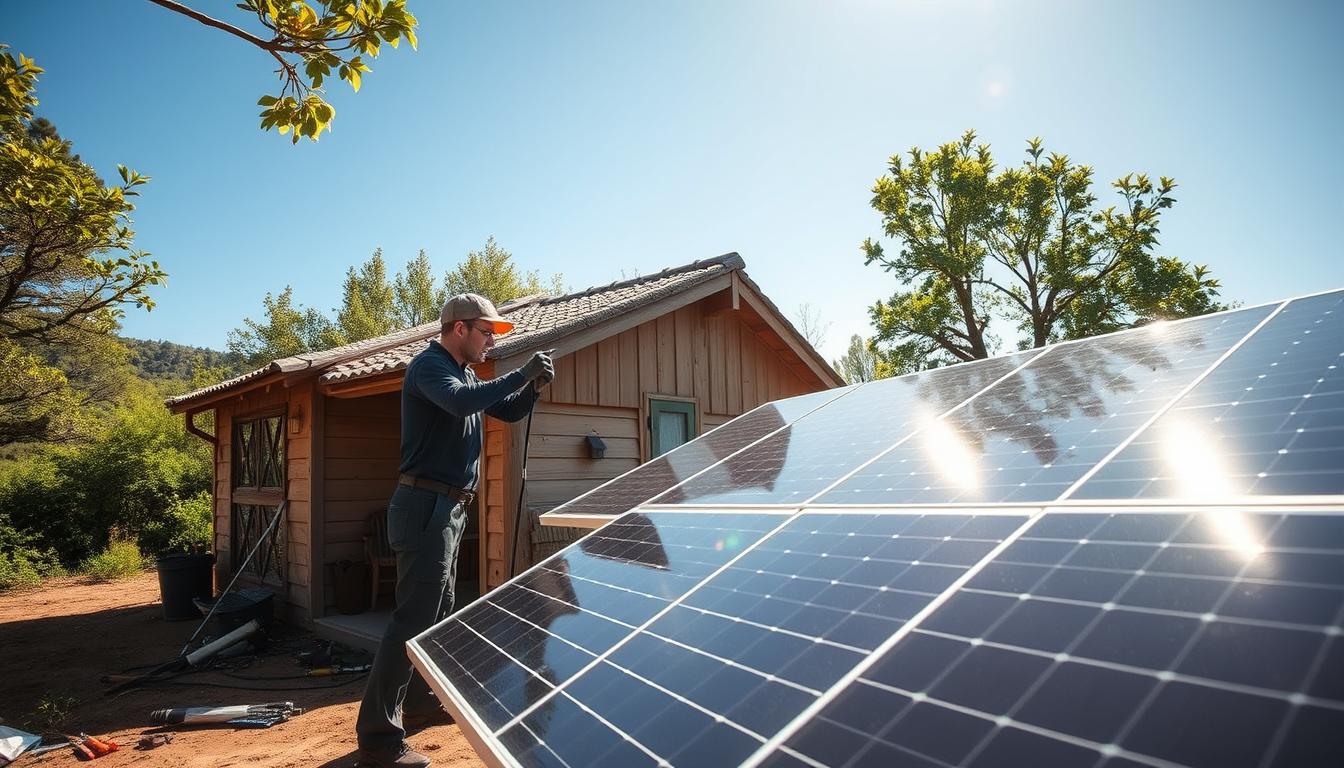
{"x": 167, "y": 360}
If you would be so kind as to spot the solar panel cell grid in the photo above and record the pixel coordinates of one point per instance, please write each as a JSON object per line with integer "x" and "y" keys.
{"x": 1246, "y": 661}
{"x": 511, "y": 648}
{"x": 727, "y": 663}
{"x": 1268, "y": 421}
{"x": 1034, "y": 434}
{"x": 652, "y": 478}
{"x": 820, "y": 448}
{"x": 1045, "y": 625}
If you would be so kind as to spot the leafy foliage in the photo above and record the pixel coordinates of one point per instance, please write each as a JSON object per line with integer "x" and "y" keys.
{"x": 417, "y": 300}
{"x": 18, "y": 81}
{"x": 193, "y": 520}
{"x": 1028, "y": 245}
{"x": 325, "y": 37}
{"x": 491, "y": 273}
{"x": 372, "y": 306}
{"x": 288, "y": 329}
{"x": 68, "y": 267}
{"x": 120, "y": 560}
{"x": 859, "y": 363}
{"x": 22, "y": 564}
{"x": 123, "y": 483}
{"x": 368, "y": 308}
{"x": 167, "y": 361}
{"x": 52, "y": 712}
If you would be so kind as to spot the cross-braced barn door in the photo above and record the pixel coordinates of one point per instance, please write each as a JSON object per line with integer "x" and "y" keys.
{"x": 258, "y": 490}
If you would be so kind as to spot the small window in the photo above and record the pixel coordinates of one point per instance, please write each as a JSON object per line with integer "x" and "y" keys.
{"x": 671, "y": 423}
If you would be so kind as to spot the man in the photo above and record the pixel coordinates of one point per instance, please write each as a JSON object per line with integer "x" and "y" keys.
{"x": 441, "y": 406}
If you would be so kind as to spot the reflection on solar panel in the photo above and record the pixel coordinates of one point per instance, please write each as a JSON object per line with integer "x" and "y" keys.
{"x": 809, "y": 455}
{"x": 1032, "y": 436}
{"x": 1272, "y": 414}
{"x": 1125, "y": 551}
{"x": 1206, "y": 638}
{"x": 685, "y": 461}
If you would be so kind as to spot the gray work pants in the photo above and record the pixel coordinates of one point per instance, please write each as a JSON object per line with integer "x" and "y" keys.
{"x": 424, "y": 529}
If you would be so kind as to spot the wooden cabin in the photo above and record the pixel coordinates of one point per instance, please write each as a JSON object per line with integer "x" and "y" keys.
{"x": 642, "y": 365}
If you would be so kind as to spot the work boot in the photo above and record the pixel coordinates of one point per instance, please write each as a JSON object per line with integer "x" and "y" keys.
{"x": 405, "y": 757}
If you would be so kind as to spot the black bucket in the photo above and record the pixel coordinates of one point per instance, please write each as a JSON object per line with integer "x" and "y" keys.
{"x": 237, "y": 608}
{"x": 350, "y": 583}
{"x": 182, "y": 579}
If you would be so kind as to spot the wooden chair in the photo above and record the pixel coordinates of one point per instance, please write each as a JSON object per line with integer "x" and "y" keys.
{"x": 378, "y": 552}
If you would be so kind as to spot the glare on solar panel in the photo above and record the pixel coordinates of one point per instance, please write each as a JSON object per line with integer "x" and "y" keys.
{"x": 1060, "y": 625}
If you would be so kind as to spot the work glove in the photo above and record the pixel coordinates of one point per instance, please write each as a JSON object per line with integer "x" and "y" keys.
{"x": 540, "y": 368}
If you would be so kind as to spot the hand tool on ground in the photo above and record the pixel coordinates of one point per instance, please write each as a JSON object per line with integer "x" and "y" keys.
{"x": 152, "y": 740}
{"x": 81, "y": 751}
{"x": 244, "y": 715}
{"x": 99, "y": 746}
{"x": 337, "y": 669}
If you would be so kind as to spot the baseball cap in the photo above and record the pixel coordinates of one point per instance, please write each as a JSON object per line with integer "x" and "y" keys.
{"x": 471, "y": 306}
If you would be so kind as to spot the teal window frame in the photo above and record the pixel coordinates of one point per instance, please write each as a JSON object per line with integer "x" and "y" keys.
{"x": 659, "y": 406}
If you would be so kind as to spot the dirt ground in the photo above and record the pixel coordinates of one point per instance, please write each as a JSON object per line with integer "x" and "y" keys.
{"x": 56, "y": 644}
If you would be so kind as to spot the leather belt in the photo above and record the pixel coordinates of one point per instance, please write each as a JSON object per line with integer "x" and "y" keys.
{"x": 451, "y": 491}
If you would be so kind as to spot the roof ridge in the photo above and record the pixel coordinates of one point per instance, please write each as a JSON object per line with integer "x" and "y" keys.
{"x": 391, "y": 340}
{"x": 521, "y": 302}
{"x": 731, "y": 260}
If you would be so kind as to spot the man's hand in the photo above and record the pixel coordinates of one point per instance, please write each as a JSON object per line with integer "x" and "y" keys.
{"x": 540, "y": 369}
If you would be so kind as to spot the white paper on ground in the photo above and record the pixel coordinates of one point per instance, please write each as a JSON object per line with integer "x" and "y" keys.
{"x": 13, "y": 742}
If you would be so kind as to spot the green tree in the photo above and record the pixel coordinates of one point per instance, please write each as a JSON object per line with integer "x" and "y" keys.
{"x": 491, "y": 273}
{"x": 417, "y": 301}
{"x": 68, "y": 266}
{"x": 288, "y": 329}
{"x": 368, "y": 306}
{"x": 326, "y": 36}
{"x": 1026, "y": 244}
{"x": 859, "y": 363}
{"x": 126, "y": 481}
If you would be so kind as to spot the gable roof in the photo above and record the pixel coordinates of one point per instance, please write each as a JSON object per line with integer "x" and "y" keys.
{"x": 537, "y": 320}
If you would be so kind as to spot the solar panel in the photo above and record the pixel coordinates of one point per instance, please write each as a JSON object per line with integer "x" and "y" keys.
{"x": 686, "y": 460}
{"x": 804, "y": 458}
{"x": 696, "y": 667}
{"x": 800, "y": 598}
{"x": 520, "y": 641}
{"x": 1208, "y": 638}
{"x": 1268, "y": 421}
{"x": 1032, "y": 435}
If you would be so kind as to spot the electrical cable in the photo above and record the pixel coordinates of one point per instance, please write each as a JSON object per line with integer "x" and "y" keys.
{"x": 522, "y": 488}
{"x": 184, "y": 684}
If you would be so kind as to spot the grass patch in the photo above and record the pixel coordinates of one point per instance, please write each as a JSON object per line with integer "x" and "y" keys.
{"x": 120, "y": 560}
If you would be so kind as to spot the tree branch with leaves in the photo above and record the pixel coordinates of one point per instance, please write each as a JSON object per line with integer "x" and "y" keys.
{"x": 325, "y": 37}
{"x": 68, "y": 265}
{"x": 1027, "y": 245}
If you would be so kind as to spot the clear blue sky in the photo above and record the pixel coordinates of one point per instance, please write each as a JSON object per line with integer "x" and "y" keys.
{"x": 593, "y": 138}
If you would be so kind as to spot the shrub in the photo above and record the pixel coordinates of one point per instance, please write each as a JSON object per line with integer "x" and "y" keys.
{"x": 17, "y": 572}
{"x": 193, "y": 519}
{"x": 120, "y": 560}
{"x": 126, "y": 482}
{"x": 21, "y": 564}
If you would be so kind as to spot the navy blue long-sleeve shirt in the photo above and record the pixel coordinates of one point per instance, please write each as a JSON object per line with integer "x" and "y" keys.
{"x": 441, "y": 406}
